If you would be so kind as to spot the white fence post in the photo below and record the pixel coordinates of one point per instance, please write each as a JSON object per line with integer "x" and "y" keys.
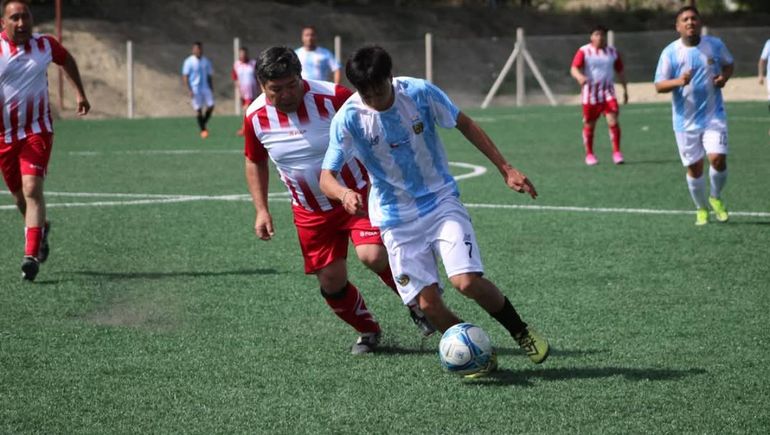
{"x": 236, "y": 96}
{"x": 429, "y": 57}
{"x": 611, "y": 38}
{"x": 520, "y": 90}
{"x": 704, "y": 30}
{"x": 130, "y": 78}
{"x": 338, "y": 48}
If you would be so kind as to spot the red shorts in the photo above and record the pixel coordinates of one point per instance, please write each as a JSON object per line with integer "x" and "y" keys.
{"x": 592, "y": 112}
{"x": 323, "y": 237}
{"x": 28, "y": 156}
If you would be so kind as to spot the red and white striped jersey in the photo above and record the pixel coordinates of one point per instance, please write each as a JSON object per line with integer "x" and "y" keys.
{"x": 297, "y": 143}
{"x": 24, "y": 85}
{"x": 599, "y": 66}
{"x": 243, "y": 73}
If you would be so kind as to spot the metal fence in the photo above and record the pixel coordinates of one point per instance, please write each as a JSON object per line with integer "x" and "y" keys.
{"x": 465, "y": 68}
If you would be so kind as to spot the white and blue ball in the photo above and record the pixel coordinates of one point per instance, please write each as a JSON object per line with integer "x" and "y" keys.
{"x": 465, "y": 349}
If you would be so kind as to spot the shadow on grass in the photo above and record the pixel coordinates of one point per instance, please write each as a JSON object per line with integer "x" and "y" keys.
{"x": 553, "y": 352}
{"x": 650, "y": 162}
{"x": 741, "y": 222}
{"x": 524, "y": 378}
{"x": 163, "y": 275}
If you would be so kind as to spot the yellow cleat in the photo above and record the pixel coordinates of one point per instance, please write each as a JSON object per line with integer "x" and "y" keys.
{"x": 489, "y": 368}
{"x": 719, "y": 209}
{"x": 701, "y": 217}
{"x": 534, "y": 344}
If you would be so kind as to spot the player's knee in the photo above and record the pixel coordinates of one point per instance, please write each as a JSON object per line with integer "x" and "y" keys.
{"x": 32, "y": 188}
{"x": 719, "y": 162}
{"x": 466, "y": 283}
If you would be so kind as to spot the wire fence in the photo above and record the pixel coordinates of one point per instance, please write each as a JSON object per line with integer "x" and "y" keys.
{"x": 464, "y": 67}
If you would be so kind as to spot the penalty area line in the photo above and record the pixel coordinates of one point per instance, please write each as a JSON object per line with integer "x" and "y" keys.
{"x": 605, "y": 209}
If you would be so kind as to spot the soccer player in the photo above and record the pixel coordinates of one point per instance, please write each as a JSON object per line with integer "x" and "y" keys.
{"x": 695, "y": 68}
{"x": 196, "y": 75}
{"x": 764, "y": 68}
{"x": 390, "y": 125}
{"x": 244, "y": 79}
{"x": 289, "y": 123}
{"x": 594, "y": 67}
{"x": 318, "y": 63}
{"x": 26, "y": 125}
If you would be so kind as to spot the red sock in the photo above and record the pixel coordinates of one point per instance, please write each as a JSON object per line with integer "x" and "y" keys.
{"x": 349, "y": 306}
{"x": 32, "y": 235}
{"x": 588, "y": 139}
{"x": 387, "y": 277}
{"x": 615, "y": 137}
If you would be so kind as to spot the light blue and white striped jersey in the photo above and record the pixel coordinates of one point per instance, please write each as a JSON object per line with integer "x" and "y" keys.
{"x": 400, "y": 148}
{"x": 197, "y": 71}
{"x": 697, "y": 106}
{"x": 317, "y": 64}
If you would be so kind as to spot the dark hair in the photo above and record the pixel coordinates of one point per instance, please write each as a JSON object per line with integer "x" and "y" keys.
{"x": 368, "y": 67}
{"x": 277, "y": 63}
{"x": 684, "y": 9}
{"x": 309, "y": 26}
{"x": 599, "y": 28}
{"x": 198, "y": 43}
{"x": 7, "y": 2}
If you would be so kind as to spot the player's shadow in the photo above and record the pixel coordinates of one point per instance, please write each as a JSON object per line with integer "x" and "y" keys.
{"x": 524, "y": 378}
{"x": 116, "y": 276}
{"x": 398, "y": 350}
{"x": 743, "y": 222}
{"x": 650, "y": 162}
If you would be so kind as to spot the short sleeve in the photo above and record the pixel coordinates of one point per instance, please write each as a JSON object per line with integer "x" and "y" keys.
{"x": 332, "y": 62}
{"x": 765, "y": 51}
{"x": 726, "y": 58}
{"x": 186, "y": 67}
{"x": 340, "y": 143}
{"x": 253, "y": 148}
{"x": 444, "y": 110}
{"x": 58, "y": 52}
{"x": 579, "y": 60}
{"x": 209, "y": 68}
{"x": 341, "y": 94}
{"x": 665, "y": 70}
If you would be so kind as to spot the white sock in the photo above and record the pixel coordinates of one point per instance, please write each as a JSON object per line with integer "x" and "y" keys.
{"x": 697, "y": 188}
{"x": 718, "y": 180}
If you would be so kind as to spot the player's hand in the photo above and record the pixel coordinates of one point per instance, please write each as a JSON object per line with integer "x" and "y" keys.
{"x": 720, "y": 81}
{"x": 582, "y": 80}
{"x": 625, "y": 97}
{"x": 263, "y": 226}
{"x": 519, "y": 182}
{"x": 353, "y": 203}
{"x": 83, "y": 106}
{"x": 685, "y": 77}
{"x": 761, "y": 80}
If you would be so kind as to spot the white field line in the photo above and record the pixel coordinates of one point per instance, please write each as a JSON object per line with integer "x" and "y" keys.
{"x": 154, "y": 152}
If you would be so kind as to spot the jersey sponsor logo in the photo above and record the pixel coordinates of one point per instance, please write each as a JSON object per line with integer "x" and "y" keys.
{"x": 402, "y": 279}
{"x": 368, "y": 234}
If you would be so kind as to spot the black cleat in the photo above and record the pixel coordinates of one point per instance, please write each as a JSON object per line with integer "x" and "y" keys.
{"x": 422, "y": 322}
{"x": 366, "y": 343}
{"x": 45, "y": 249}
{"x": 29, "y": 268}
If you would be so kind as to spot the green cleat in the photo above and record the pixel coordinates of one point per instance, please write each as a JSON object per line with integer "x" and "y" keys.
{"x": 489, "y": 368}
{"x": 701, "y": 217}
{"x": 719, "y": 209}
{"x": 534, "y": 344}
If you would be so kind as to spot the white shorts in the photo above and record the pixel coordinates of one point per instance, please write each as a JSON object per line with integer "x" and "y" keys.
{"x": 413, "y": 248}
{"x": 693, "y": 146}
{"x": 202, "y": 98}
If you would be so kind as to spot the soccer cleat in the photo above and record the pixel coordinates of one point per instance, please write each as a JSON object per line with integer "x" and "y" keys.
{"x": 534, "y": 345}
{"x": 419, "y": 319}
{"x": 29, "y": 268}
{"x": 45, "y": 249}
{"x": 204, "y": 134}
{"x": 701, "y": 217}
{"x": 591, "y": 160}
{"x": 617, "y": 158}
{"x": 719, "y": 209}
{"x": 489, "y": 368}
{"x": 366, "y": 343}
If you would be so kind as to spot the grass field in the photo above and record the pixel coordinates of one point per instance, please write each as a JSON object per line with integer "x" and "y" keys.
{"x": 159, "y": 311}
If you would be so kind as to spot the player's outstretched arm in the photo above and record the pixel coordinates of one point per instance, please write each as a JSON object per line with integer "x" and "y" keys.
{"x": 351, "y": 200}
{"x": 479, "y": 138}
{"x": 73, "y": 75}
{"x": 257, "y": 179}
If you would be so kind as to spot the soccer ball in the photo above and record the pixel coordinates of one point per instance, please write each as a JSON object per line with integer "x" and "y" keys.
{"x": 465, "y": 349}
